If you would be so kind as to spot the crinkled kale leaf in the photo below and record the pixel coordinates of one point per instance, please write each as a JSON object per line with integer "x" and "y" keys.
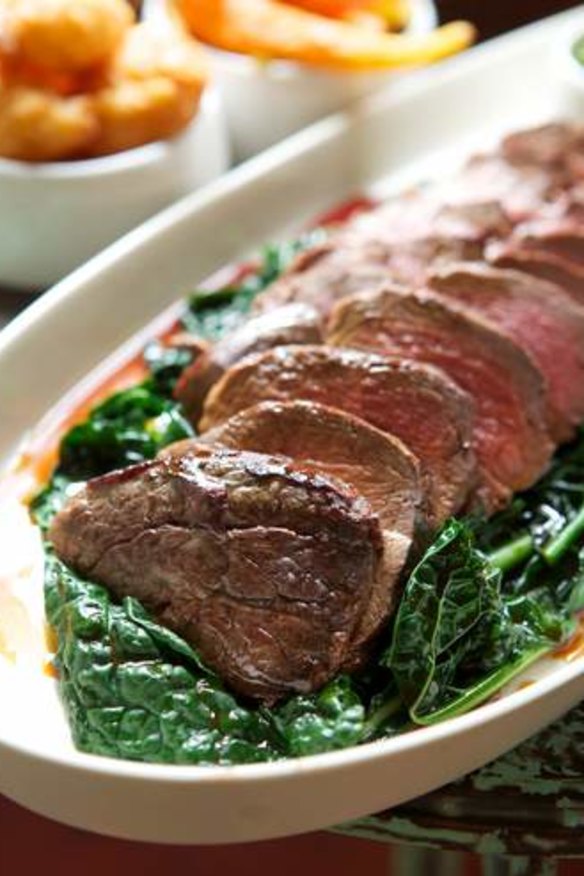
{"x": 213, "y": 314}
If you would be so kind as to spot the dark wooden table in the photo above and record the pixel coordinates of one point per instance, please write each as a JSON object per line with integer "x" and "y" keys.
{"x": 519, "y": 815}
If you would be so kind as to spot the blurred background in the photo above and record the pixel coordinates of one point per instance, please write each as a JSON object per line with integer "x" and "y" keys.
{"x": 492, "y": 18}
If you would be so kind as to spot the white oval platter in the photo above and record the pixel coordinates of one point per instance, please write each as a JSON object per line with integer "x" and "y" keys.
{"x": 436, "y": 118}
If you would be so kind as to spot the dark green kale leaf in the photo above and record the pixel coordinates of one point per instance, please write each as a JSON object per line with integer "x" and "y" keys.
{"x": 547, "y": 519}
{"x": 130, "y": 426}
{"x": 166, "y": 640}
{"x": 538, "y": 543}
{"x": 165, "y": 363}
{"x": 211, "y": 315}
{"x": 49, "y": 501}
{"x": 457, "y": 637}
{"x": 134, "y": 690}
{"x": 335, "y": 717}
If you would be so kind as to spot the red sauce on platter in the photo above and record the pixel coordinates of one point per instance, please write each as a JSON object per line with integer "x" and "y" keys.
{"x": 348, "y": 210}
{"x": 34, "y": 465}
{"x": 574, "y": 647}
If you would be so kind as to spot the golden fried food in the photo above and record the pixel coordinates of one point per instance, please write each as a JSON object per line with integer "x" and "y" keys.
{"x": 162, "y": 48}
{"x": 158, "y": 78}
{"x": 38, "y": 126}
{"x": 140, "y": 111}
{"x": 148, "y": 90}
{"x": 270, "y": 29}
{"x": 397, "y": 13}
{"x": 69, "y": 36}
{"x": 393, "y": 13}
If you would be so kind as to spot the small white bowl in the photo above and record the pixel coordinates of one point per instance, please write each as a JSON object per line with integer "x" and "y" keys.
{"x": 54, "y": 216}
{"x": 267, "y": 101}
{"x": 570, "y": 71}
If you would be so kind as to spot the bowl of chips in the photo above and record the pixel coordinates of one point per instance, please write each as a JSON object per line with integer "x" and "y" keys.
{"x": 280, "y": 66}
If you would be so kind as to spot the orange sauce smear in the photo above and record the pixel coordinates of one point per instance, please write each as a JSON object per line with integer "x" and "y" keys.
{"x": 35, "y": 463}
{"x": 49, "y": 669}
{"x": 527, "y": 682}
{"x": 573, "y": 648}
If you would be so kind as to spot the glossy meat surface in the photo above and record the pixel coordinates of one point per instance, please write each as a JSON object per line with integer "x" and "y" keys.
{"x": 373, "y": 464}
{"x": 541, "y": 319}
{"x": 510, "y": 436}
{"x": 264, "y": 567}
{"x": 415, "y": 402}
{"x": 291, "y": 324}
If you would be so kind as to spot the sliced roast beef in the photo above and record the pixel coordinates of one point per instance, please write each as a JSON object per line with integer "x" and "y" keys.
{"x": 520, "y": 189}
{"x": 408, "y": 262}
{"x": 263, "y": 566}
{"x": 558, "y": 147}
{"x": 398, "y": 242}
{"x": 570, "y": 206}
{"x": 540, "y": 318}
{"x": 354, "y": 262}
{"x": 416, "y": 402}
{"x": 542, "y": 260}
{"x": 547, "y": 145}
{"x": 184, "y": 341}
{"x": 510, "y": 436}
{"x": 420, "y": 214}
{"x": 375, "y": 465}
{"x": 292, "y": 324}
{"x": 563, "y": 239}
{"x": 532, "y": 171}
{"x": 326, "y": 272}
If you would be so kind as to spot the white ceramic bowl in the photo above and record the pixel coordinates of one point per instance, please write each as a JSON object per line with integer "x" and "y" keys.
{"x": 54, "y": 216}
{"x": 265, "y": 102}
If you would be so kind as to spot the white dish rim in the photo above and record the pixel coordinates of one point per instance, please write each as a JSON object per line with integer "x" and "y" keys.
{"x": 315, "y": 763}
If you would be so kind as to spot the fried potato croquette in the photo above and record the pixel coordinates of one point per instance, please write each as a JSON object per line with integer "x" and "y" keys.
{"x": 158, "y": 79}
{"x": 162, "y": 49}
{"x": 270, "y": 29}
{"x": 69, "y": 36}
{"x": 135, "y": 112}
{"x": 38, "y": 126}
{"x": 148, "y": 90}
